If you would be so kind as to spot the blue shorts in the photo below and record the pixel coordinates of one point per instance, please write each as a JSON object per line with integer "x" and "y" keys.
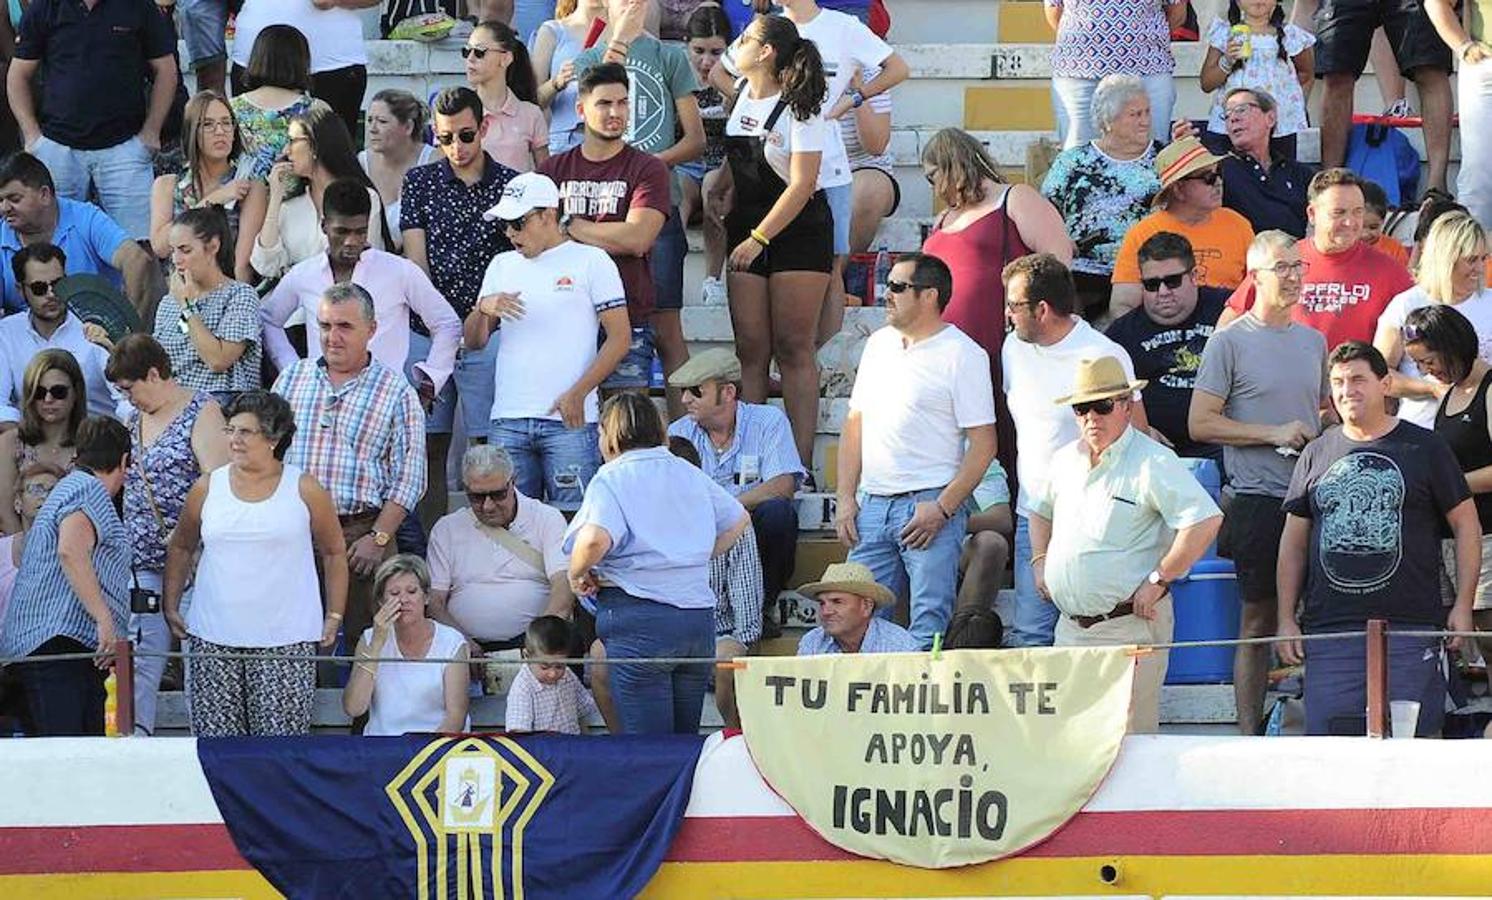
{"x": 636, "y": 368}
{"x": 1336, "y": 695}
{"x": 695, "y": 170}
{"x": 841, "y": 206}
{"x": 203, "y": 24}
{"x": 471, "y": 384}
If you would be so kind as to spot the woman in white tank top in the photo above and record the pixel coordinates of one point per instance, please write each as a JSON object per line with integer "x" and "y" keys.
{"x": 403, "y": 697}
{"x": 256, "y": 589}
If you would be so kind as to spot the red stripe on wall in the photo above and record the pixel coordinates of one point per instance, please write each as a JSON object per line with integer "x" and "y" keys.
{"x": 1167, "y": 833}
{"x": 118, "y": 848}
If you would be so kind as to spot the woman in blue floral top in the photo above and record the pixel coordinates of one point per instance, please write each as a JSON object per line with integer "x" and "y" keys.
{"x": 1104, "y": 186}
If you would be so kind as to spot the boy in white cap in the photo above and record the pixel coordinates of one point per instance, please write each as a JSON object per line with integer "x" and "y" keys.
{"x": 549, "y": 295}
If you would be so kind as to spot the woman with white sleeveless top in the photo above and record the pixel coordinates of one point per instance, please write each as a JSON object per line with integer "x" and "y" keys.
{"x": 256, "y": 592}
{"x": 402, "y": 697}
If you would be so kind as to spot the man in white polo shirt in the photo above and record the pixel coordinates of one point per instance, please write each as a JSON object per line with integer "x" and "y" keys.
{"x": 548, "y": 295}
{"x": 1039, "y": 367}
{"x": 918, "y": 438}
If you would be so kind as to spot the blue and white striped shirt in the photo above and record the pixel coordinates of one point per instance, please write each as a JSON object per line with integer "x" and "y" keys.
{"x": 44, "y": 605}
{"x": 761, "y": 449}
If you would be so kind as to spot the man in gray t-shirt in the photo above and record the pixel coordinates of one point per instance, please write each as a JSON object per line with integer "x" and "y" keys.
{"x": 1259, "y": 394}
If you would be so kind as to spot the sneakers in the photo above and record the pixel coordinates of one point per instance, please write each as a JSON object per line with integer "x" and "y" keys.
{"x": 713, "y": 293}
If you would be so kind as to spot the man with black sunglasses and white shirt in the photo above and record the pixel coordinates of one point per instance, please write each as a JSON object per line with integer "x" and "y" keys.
{"x": 1118, "y": 520}
{"x": 548, "y": 295}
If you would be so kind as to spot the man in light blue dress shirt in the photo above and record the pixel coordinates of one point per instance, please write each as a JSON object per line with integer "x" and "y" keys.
{"x": 848, "y": 597}
{"x": 748, "y": 449}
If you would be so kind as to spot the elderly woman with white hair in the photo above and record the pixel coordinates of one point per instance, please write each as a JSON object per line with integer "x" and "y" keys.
{"x": 1451, "y": 271}
{"x": 498, "y": 563}
{"x": 1104, "y": 186}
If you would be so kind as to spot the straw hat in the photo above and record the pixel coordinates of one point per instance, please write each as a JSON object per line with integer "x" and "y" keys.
{"x": 1100, "y": 379}
{"x": 851, "y": 578}
{"x": 1181, "y": 158}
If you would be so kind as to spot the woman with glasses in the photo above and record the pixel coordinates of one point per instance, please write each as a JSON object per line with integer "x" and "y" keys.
{"x": 556, "y": 44}
{"x": 1451, "y": 272}
{"x": 176, "y": 435}
{"x": 33, "y": 486}
{"x": 55, "y": 407}
{"x": 208, "y": 323}
{"x": 396, "y": 144}
{"x": 402, "y": 697}
{"x": 278, "y": 82}
{"x": 640, "y": 549}
{"x": 239, "y": 516}
{"x": 1447, "y": 347}
{"x": 212, "y": 146}
{"x": 319, "y": 152}
{"x": 1104, "y": 186}
{"x": 499, "y": 70}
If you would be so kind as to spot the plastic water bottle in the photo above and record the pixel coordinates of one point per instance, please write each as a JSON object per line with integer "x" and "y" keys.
{"x": 655, "y": 377}
{"x": 111, "y": 706}
{"x": 882, "y": 272}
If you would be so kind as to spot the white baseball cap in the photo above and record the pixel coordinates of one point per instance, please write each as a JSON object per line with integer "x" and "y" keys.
{"x": 528, "y": 191}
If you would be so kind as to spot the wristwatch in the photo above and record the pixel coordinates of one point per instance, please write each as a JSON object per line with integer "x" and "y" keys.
{"x": 857, "y": 99}
{"x": 382, "y": 538}
{"x": 1154, "y": 578}
{"x": 564, "y": 224}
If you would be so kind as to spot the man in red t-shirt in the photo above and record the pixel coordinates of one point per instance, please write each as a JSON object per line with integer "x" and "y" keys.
{"x": 615, "y": 197}
{"x": 1347, "y": 283}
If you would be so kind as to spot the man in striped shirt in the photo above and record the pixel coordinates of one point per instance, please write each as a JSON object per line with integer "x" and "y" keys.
{"x": 359, "y": 430}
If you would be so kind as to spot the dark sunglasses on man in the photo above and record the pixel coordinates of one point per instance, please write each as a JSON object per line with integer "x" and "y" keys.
{"x": 478, "y": 498}
{"x": 1151, "y": 285}
{"x": 1209, "y": 177}
{"x": 1102, "y": 407}
{"x": 897, "y": 287}
{"x": 42, "y": 288}
{"x": 465, "y": 136}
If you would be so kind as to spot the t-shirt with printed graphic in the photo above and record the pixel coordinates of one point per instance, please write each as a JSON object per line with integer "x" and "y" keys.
{"x": 1377, "y": 512}
{"x": 1221, "y": 244}
{"x": 1169, "y": 357}
{"x": 605, "y": 192}
{"x": 1344, "y": 293}
{"x": 659, "y": 75}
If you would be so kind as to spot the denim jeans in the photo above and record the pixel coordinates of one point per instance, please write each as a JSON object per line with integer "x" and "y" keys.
{"x": 122, "y": 175}
{"x": 775, "y": 522}
{"x": 471, "y": 384}
{"x": 1072, "y": 102}
{"x": 928, "y": 576}
{"x": 67, "y": 698}
{"x": 1035, "y": 618}
{"x": 550, "y": 462}
{"x": 667, "y": 262}
{"x": 1474, "y": 184}
{"x": 655, "y": 698}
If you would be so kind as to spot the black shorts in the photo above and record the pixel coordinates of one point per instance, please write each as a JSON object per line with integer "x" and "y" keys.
{"x": 805, "y": 245}
{"x": 1344, "y": 32}
{"x": 1250, "y": 537}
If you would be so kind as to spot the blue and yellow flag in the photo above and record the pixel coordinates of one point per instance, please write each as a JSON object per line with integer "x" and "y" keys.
{"x": 455, "y": 818}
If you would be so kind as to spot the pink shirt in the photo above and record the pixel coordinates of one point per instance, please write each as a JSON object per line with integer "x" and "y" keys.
{"x": 514, "y": 132}
{"x": 398, "y": 286}
{"x": 8, "y": 573}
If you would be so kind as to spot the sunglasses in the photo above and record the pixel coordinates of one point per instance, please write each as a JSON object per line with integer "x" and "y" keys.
{"x": 697, "y": 391}
{"x": 1209, "y": 178}
{"x": 1173, "y": 282}
{"x": 42, "y": 288}
{"x": 478, "y": 498}
{"x": 478, "y": 52}
{"x": 465, "y": 135}
{"x": 897, "y": 287}
{"x": 516, "y": 224}
{"x": 55, "y": 392}
{"x": 1102, "y": 407}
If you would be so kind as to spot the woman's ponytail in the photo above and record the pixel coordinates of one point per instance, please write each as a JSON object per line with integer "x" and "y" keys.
{"x": 802, "y": 79}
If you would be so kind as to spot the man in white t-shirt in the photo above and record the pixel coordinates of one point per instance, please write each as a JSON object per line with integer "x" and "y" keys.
{"x": 918, "y": 438}
{"x": 497, "y": 564}
{"x": 1039, "y": 367}
{"x": 548, "y": 295}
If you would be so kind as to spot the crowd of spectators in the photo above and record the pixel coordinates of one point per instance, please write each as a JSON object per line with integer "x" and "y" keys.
{"x": 259, "y": 470}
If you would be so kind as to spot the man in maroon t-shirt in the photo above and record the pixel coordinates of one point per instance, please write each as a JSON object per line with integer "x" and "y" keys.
{"x": 615, "y": 197}
{"x": 1347, "y": 283}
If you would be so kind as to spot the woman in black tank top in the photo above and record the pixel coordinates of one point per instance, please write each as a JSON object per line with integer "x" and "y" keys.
{"x": 1444, "y": 345}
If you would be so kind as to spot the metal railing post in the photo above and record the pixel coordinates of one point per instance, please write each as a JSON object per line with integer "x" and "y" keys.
{"x": 1377, "y": 675}
{"x": 124, "y": 687}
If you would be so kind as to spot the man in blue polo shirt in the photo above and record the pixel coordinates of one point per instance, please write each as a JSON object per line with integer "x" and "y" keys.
{"x": 748, "y": 449}
{"x": 99, "y": 59}
{"x": 93, "y": 242}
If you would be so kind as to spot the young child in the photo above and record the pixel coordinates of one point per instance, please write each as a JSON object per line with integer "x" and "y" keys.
{"x": 547, "y": 696}
{"x": 709, "y": 33}
{"x": 1375, "y": 202}
{"x": 1256, "y": 49}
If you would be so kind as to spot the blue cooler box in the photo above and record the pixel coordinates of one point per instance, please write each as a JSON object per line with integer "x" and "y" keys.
{"x": 1207, "y": 609}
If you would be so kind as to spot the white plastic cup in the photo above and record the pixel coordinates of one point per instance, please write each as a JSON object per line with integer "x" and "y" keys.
{"x": 1405, "y": 717}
